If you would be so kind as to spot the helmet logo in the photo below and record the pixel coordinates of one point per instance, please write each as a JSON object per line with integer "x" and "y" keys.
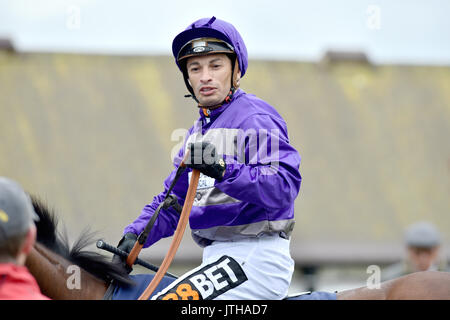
{"x": 198, "y": 49}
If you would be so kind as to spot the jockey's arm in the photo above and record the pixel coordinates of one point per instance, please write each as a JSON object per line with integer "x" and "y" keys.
{"x": 167, "y": 220}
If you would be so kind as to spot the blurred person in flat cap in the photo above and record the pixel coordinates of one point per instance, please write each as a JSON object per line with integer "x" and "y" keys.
{"x": 17, "y": 237}
{"x": 423, "y": 252}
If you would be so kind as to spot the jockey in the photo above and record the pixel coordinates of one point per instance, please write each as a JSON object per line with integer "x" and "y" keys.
{"x": 243, "y": 212}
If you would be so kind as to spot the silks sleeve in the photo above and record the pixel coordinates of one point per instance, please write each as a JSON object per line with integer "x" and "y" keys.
{"x": 265, "y": 168}
{"x": 167, "y": 221}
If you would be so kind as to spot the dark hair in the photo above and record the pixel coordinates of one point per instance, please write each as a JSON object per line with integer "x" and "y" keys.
{"x": 10, "y": 248}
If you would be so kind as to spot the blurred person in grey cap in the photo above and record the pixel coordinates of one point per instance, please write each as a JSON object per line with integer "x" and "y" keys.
{"x": 17, "y": 237}
{"x": 423, "y": 243}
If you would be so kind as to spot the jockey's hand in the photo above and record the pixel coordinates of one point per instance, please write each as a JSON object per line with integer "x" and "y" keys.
{"x": 204, "y": 158}
{"x": 125, "y": 244}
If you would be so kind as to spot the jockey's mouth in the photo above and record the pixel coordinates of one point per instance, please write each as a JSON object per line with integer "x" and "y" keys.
{"x": 207, "y": 90}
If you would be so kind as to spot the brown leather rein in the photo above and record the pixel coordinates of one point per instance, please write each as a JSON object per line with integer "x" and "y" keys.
{"x": 184, "y": 217}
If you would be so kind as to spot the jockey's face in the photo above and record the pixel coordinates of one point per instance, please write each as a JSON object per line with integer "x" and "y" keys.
{"x": 210, "y": 77}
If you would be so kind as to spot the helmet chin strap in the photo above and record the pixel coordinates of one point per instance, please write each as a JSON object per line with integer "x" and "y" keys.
{"x": 226, "y": 100}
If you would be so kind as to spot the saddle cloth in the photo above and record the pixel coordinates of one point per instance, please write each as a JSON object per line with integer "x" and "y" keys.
{"x": 116, "y": 292}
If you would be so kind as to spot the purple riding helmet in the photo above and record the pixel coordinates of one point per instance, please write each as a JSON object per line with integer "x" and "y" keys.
{"x": 209, "y": 36}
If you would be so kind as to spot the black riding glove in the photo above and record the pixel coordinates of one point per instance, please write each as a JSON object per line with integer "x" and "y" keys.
{"x": 125, "y": 244}
{"x": 204, "y": 158}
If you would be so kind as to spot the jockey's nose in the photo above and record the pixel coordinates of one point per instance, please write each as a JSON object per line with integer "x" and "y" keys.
{"x": 205, "y": 76}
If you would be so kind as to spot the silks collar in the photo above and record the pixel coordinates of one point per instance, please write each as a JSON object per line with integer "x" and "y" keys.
{"x": 227, "y": 99}
{"x": 214, "y": 112}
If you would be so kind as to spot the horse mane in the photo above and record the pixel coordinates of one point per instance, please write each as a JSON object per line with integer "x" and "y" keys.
{"x": 95, "y": 263}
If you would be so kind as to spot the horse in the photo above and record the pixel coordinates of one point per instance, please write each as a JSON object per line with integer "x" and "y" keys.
{"x": 52, "y": 258}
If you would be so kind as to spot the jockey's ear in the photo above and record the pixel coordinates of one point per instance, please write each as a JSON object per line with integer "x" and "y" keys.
{"x": 237, "y": 80}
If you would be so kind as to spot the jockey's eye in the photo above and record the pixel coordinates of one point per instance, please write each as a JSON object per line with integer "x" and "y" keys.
{"x": 193, "y": 69}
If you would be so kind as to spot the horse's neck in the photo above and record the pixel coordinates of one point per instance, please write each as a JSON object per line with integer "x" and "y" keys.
{"x": 59, "y": 279}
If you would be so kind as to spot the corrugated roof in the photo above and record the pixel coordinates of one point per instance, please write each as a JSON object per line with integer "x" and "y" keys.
{"x": 93, "y": 136}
